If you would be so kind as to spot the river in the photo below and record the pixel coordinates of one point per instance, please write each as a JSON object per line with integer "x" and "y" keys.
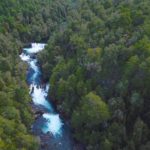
{"x": 53, "y": 133}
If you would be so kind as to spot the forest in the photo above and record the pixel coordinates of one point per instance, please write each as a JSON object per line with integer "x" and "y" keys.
{"x": 17, "y": 26}
{"x": 97, "y": 62}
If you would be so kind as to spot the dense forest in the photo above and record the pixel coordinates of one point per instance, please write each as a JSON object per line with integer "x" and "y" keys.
{"x": 97, "y": 62}
{"x": 18, "y": 25}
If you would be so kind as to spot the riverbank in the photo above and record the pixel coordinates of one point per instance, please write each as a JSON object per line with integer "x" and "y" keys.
{"x": 53, "y": 132}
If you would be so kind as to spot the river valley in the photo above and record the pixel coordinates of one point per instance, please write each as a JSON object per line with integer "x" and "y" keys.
{"x": 53, "y": 133}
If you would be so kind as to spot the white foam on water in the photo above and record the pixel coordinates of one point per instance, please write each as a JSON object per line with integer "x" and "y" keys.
{"x": 53, "y": 124}
{"x": 31, "y": 87}
{"x": 33, "y": 65}
{"x": 24, "y": 57}
{"x": 35, "y": 47}
{"x": 47, "y": 88}
{"x": 39, "y": 96}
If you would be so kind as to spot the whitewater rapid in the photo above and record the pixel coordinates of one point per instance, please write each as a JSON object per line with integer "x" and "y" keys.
{"x": 39, "y": 92}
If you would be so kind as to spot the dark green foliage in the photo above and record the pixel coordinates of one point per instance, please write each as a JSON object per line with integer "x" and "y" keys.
{"x": 22, "y": 21}
{"x": 99, "y": 58}
{"x": 18, "y": 24}
{"x": 98, "y": 63}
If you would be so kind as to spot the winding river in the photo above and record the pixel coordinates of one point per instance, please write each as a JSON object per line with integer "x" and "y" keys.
{"x": 53, "y": 133}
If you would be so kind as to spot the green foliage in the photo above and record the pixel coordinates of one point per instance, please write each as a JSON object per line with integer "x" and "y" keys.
{"x": 125, "y": 17}
{"x": 103, "y": 47}
{"x": 97, "y": 60}
{"x": 93, "y": 111}
{"x": 16, "y": 17}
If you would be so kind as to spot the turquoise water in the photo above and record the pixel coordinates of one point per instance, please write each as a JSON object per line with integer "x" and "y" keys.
{"x": 49, "y": 127}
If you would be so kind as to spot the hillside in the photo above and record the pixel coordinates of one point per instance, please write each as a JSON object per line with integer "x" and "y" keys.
{"x": 98, "y": 65}
{"x": 97, "y": 62}
{"x": 16, "y": 118}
